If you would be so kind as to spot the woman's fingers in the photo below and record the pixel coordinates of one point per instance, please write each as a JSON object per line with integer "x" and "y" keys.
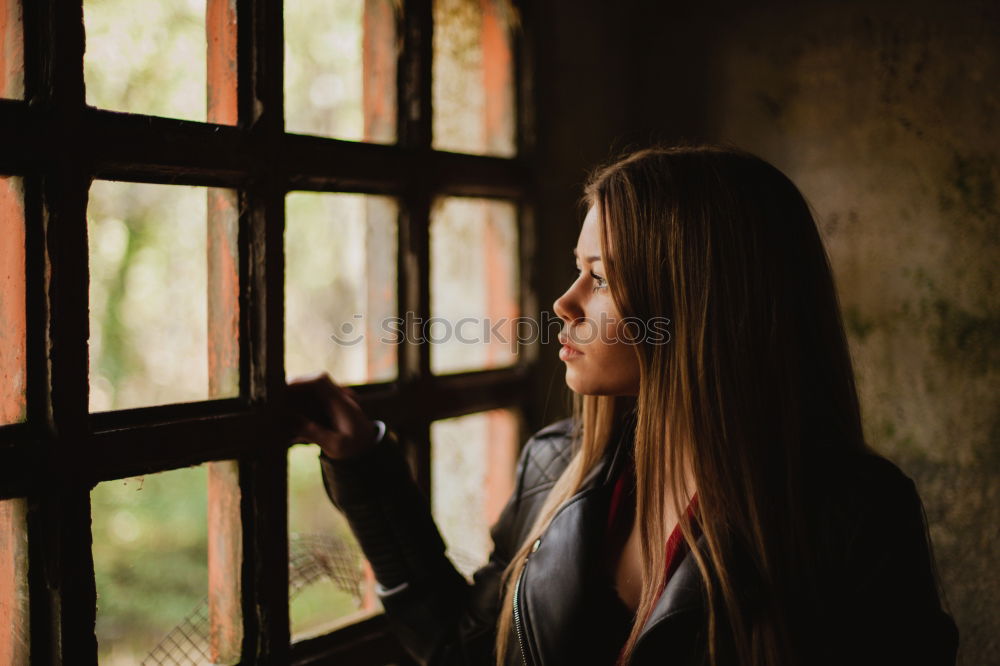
{"x": 343, "y": 410}
{"x": 352, "y": 395}
{"x": 316, "y": 386}
{"x": 307, "y": 432}
{"x": 322, "y": 383}
{"x": 302, "y": 430}
{"x": 328, "y": 414}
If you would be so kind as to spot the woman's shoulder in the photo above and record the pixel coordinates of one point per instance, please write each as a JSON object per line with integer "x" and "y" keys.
{"x": 547, "y": 453}
{"x": 876, "y": 558}
{"x": 865, "y": 508}
{"x": 862, "y": 480}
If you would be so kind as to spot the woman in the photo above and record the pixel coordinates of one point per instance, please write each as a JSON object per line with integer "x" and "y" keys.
{"x": 712, "y": 500}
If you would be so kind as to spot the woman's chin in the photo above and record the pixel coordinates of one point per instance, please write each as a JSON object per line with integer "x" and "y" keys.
{"x": 587, "y": 386}
{"x": 573, "y": 379}
{"x": 581, "y": 386}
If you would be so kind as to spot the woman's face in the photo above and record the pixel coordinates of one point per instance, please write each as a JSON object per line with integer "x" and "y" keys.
{"x": 598, "y": 359}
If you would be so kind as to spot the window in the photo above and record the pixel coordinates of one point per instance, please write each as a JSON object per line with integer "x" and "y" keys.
{"x": 199, "y": 201}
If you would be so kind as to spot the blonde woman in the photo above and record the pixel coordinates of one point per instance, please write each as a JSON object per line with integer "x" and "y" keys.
{"x": 711, "y": 500}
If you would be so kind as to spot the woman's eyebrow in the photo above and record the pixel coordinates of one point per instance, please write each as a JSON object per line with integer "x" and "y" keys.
{"x": 590, "y": 259}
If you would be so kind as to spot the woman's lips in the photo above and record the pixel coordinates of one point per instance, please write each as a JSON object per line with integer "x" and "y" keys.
{"x": 568, "y": 352}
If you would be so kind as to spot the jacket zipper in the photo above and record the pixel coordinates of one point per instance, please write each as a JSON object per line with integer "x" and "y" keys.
{"x": 518, "y": 620}
{"x": 519, "y": 628}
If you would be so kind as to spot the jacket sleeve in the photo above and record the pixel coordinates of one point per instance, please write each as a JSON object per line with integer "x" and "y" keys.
{"x": 893, "y": 612}
{"x": 435, "y": 613}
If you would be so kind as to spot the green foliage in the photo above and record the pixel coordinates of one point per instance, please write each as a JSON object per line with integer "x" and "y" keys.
{"x": 150, "y": 556}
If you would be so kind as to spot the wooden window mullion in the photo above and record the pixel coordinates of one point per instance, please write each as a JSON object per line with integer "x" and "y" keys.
{"x": 263, "y": 471}
{"x": 68, "y": 464}
{"x": 414, "y": 76}
{"x": 414, "y": 131}
{"x": 60, "y": 519}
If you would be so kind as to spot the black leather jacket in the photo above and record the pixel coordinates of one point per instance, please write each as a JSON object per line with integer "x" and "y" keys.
{"x": 883, "y": 605}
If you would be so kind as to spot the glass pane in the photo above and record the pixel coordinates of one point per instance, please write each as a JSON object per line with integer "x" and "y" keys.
{"x": 13, "y": 323}
{"x": 340, "y": 68}
{"x": 329, "y": 582}
{"x": 473, "y": 459}
{"x": 14, "y": 630}
{"x": 474, "y": 285}
{"x": 147, "y": 57}
{"x": 473, "y": 91}
{"x": 340, "y": 286}
{"x": 151, "y": 568}
{"x": 149, "y": 298}
{"x": 11, "y": 50}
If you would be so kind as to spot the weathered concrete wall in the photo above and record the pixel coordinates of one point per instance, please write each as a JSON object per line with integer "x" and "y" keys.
{"x": 886, "y": 116}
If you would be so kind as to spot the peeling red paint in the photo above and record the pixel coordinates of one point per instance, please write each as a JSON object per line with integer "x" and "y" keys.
{"x": 499, "y": 266}
{"x": 225, "y": 542}
{"x": 220, "y": 29}
{"x": 501, "y": 452}
{"x": 13, "y": 322}
{"x": 225, "y": 546}
{"x": 498, "y": 125}
{"x": 11, "y": 50}
{"x": 378, "y": 55}
{"x": 223, "y": 294}
{"x": 501, "y": 299}
{"x": 380, "y": 297}
{"x": 369, "y": 600}
{"x": 379, "y": 70}
{"x": 225, "y": 532}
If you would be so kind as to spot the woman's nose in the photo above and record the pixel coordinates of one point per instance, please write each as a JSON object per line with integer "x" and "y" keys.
{"x": 566, "y": 306}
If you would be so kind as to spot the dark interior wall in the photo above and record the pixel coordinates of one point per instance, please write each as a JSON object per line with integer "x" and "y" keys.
{"x": 885, "y": 115}
{"x": 583, "y": 88}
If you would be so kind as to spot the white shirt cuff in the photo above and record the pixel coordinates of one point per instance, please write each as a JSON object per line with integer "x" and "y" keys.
{"x": 383, "y": 592}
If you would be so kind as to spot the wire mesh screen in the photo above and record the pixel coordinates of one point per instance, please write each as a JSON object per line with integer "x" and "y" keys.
{"x": 311, "y": 557}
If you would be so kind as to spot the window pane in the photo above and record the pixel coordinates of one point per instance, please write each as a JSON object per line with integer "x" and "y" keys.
{"x": 11, "y": 50}
{"x": 472, "y": 473}
{"x": 329, "y": 582}
{"x": 473, "y": 92}
{"x": 147, "y": 57}
{"x": 14, "y": 630}
{"x": 149, "y": 302}
{"x": 151, "y": 568}
{"x": 474, "y": 285}
{"x": 340, "y": 69}
{"x": 340, "y": 286}
{"x": 13, "y": 324}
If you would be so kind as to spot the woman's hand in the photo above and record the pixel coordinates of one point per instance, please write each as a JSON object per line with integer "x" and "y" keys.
{"x": 317, "y": 410}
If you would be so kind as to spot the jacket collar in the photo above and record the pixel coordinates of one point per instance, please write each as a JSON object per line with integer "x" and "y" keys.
{"x": 683, "y": 591}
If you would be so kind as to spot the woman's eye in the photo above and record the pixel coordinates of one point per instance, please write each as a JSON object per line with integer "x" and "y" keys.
{"x": 601, "y": 282}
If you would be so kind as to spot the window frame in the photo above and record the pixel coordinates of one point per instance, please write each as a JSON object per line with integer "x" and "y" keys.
{"x": 58, "y": 145}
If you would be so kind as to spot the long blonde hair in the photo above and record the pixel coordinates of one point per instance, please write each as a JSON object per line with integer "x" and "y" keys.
{"x": 755, "y": 381}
